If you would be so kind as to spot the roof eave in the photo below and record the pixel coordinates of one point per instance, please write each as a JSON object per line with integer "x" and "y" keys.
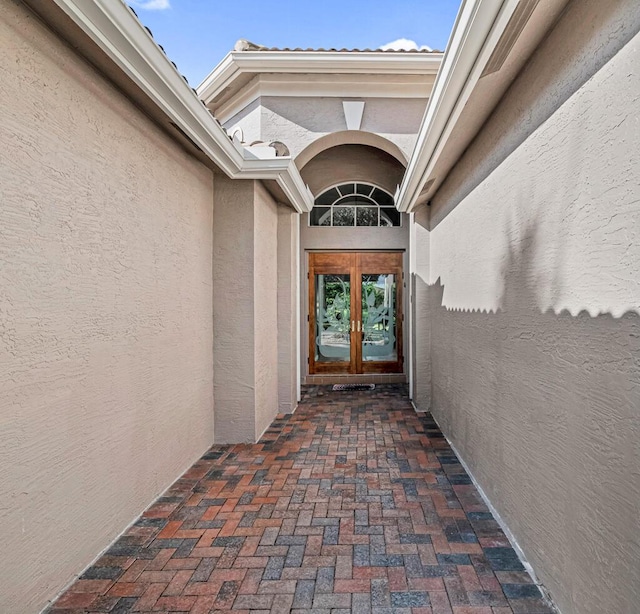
{"x": 237, "y": 63}
{"x": 285, "y": 173}
{"x": 476, "y": 34}
{"x": 118, "y": 33}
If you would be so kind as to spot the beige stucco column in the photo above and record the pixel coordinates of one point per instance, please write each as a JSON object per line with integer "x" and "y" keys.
{"x": 421, "y": 308}
{"x": 288, "y": 254}
{"x": 245, "y": 310}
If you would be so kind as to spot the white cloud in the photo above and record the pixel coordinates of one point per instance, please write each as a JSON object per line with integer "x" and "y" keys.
{"x": 151, "y": 5}
{"x": 404, "y": 44}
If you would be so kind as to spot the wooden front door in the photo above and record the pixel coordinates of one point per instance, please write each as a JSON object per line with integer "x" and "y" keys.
{"x": 355, "y": 312}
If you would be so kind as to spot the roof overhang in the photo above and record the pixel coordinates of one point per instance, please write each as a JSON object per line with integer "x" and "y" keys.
{"x": 490, "y": 43}
{"x": 243, "y": 76}
{"x": 114, "y": 28}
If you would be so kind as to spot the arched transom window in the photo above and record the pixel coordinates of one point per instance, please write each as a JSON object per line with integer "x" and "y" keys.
{"x": 354, "y": 204}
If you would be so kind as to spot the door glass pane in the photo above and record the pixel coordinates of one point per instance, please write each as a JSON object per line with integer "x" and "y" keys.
{"x": 379, "y": 317}
{"x": 333, "y": 318}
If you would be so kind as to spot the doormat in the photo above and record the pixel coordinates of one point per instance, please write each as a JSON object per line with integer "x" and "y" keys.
{"x": 353, "y": 387}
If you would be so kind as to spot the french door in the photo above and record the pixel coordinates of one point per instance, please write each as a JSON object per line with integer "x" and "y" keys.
{"x": 355, "y": 312}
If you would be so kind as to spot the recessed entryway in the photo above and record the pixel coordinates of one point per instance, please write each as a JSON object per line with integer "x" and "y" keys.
{"x": 355, "y": 313}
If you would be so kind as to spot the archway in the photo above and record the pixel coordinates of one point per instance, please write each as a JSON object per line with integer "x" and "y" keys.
{"x": 349, "y": 137}
{"x": 352, "y": 162}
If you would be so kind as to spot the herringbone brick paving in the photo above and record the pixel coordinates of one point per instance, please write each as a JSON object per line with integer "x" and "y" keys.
{"x": 353, "y": 504}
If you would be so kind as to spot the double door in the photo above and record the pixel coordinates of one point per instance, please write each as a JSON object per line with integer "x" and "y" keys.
{"x": 355, "y": 312}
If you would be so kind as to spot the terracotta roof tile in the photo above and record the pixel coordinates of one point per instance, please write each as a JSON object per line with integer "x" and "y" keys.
{"x": 245, "y": 45}
{"x": 320, "y": 49}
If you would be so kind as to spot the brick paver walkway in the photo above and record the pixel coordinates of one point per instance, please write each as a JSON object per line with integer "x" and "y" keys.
{"x": 353, "y": 504}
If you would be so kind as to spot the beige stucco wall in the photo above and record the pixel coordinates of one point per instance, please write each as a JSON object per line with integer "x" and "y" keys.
{"x": 344, "y": 163}
{"x": 298, "y": 121}
{"x": 288, "y": 246}
{"x": 421, "y": 314}
{"x": 353, "y": 238}
{"x": 265, "y": 308}
{"x": 535, "y": 334}
{"x": 233, "y": 310}
{"x": 245, "y": 310}
{"x": 105, "y": 312}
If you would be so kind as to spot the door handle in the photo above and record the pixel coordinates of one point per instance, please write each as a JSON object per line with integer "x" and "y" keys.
{"x": 353, "y": 326}
{"x": 358, "y": 325}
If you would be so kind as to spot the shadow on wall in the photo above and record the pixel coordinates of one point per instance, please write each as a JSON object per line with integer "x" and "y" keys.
{"x": 545, "y": 408}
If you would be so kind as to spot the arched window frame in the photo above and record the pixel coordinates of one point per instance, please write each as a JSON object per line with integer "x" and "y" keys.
{"x": 370, "y": 196}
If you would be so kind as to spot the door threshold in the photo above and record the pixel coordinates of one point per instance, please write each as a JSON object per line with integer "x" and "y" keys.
{"x": 365, "y": 378}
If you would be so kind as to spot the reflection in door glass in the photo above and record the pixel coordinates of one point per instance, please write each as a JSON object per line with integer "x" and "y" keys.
{"x": 333, "y": 318}
{"x": 379, "y": 317}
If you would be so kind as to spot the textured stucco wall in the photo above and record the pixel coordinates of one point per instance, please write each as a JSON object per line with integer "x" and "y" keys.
{"x": 535, "y": 331}
{"x": 298, "y": 121}
{"x": 422, "y": 315}
{"x": 105, "y": 312}
{"x": 233, "y": 310}
{"x": 353, "y": 238}
{"x": 288, "y": 245}
{"x": 344, "y": 163}
{"x": 265, "y": 307}
{"x": 250, "y": 122}
{"x": 245, "y": 310}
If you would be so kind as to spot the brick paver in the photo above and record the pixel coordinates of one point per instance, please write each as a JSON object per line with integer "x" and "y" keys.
{"x": 355, "y": 503}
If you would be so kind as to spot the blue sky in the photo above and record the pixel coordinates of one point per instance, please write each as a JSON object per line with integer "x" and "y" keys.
{"x": 197, "y": 34}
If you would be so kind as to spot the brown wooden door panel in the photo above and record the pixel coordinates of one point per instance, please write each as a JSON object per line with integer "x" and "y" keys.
{"x": 379, "y": 260}
{"x": 342, "y": 260}
{"x": 336, "y": 265}
{"x": 382, "y": 263}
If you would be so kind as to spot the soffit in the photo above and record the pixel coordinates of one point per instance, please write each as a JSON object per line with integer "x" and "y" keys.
{"x": 481, "y": 92}
{"x": 491, "y": 88}
{"x": 242, "y": 75}
{"x": 325, "y": 85}
{"x": 352, "y": 162}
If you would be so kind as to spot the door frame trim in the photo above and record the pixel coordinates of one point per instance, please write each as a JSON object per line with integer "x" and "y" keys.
{"x": 369, "y": 368}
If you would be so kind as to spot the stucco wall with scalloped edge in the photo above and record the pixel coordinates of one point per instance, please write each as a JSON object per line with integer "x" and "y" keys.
{"x": 534, "y": 266}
